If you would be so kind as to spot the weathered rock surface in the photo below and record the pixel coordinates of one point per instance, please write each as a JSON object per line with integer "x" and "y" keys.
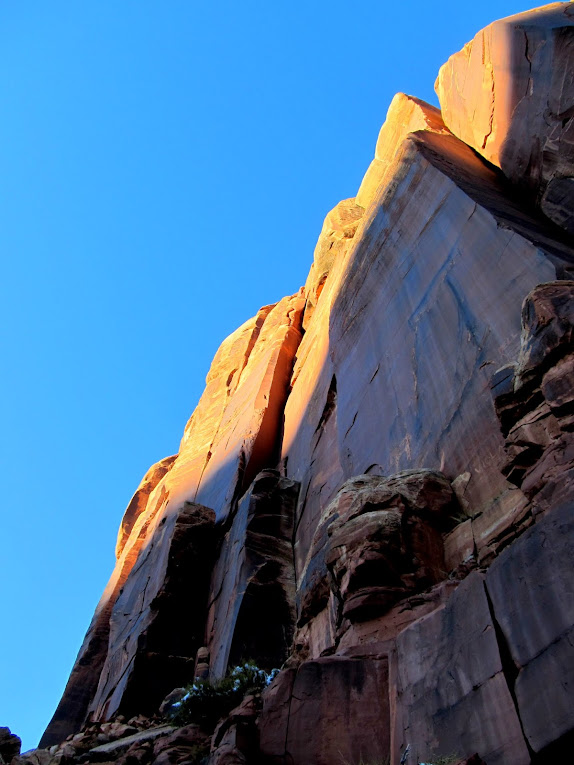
{"x": 535, "y": 398}
{"x": 253, "y": 608}
{"x": 183, "y": 745}
{"x": 339, "y": 228}
{"x": 451, "y": 687}
{"x": 531, "y": 585}
{"x": 378, "y": 542}
{"x": 233, "y": 434}
{"x": 139, "y": 500}
{"x": 152, "y": 644}
{"x": 347, "y": 502}
{"x": 509, "y": 93}
{"x": 338, "y": 710}
{"x": 405, "y": 115}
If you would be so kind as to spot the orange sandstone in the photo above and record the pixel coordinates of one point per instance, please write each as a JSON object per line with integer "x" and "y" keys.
{"x": 509, "y": 93}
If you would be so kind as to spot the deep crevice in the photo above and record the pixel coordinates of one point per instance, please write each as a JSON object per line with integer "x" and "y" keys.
{"x": 509, "y": 668}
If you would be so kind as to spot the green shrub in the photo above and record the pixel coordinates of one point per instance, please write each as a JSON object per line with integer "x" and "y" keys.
{"x": 206, "y": 702}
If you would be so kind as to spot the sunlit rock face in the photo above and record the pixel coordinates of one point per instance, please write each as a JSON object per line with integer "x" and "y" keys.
{"x": 396, "y": 376}
{"x": 234, "y": 432}
{"x": 375, "y": 490}
{"x": 406, "y": 115}
{"x": 509, "y": 93}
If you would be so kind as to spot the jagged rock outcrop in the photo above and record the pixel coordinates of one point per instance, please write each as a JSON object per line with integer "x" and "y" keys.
{"x": 375, "y": 491}
{"x": 9, "y": 745}
{"x": 535, "y": 399}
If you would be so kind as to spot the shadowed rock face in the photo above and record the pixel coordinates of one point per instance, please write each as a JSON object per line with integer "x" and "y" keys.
{"x": 347, "y": 502}
{"x": 535, "y": 399}
{"x": 389, "y": 546}
{"x": 327, "y": 711}
{"x": 153, "y": 640}
{"x": 379, "y": 540}
{"x": 454, "y": 696}
{"x": 252, "y": 613}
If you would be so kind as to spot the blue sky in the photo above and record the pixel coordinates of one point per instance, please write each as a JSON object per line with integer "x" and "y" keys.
{"x": 165, "y": 168}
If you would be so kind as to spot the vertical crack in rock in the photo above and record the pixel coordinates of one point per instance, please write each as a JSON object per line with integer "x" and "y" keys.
{"x": 509, "y": 668}
{"x": 491, "y": 119}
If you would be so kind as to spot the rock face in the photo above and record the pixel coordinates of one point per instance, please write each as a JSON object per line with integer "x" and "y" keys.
{"x": 253, "y": 608}
{"x": 509, "y": 93}
{"x": 375, "y": 491}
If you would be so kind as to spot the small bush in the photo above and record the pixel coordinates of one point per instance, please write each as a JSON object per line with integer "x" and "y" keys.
{"x": 206, "y": 702}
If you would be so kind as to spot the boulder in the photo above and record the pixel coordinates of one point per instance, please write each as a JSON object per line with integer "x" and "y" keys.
{"x": 182, "y": 745}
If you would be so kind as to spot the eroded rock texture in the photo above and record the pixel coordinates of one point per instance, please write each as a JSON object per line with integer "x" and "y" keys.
{"x": 375, "y": 490}
{"x": 535, "y": 398}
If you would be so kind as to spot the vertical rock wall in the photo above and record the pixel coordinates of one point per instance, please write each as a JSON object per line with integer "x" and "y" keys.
{"x": 349, "y": 501}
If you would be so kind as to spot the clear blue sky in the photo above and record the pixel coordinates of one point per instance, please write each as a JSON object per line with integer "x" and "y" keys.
{"x": 165, "y": 168}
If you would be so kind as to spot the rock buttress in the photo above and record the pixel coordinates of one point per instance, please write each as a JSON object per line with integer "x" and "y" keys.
{"x": 234, "y": 433}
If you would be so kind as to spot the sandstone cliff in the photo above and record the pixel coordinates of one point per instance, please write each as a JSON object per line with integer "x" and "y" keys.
{"x": 374, "y": 493}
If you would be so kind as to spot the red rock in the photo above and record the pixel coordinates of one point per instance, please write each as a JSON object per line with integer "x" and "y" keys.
{"x": 234, "y": 433}
{"x": 235, "y": 739}
{"x": 533, "y": 399}
{"x": 459, "y": 546}
{"x": 252, "y": 611}
{"x": 9, "y": 744}
{"x": 411, "y": 304}
{"x": 445, "y": 257}
{"x": 532, "y": 590}
{"x": 375, "y": 638}
{"x": 335, "y": 238}
{"x": 273, "y": 721}
{"x": 509, "y": 94}
{"x": 180, "y": 746}
{"x": 152, "y": 644}
{"x": 406, "y": 115}
{"x": 338, "y": 712}
{"x": 547, "y": 326}
{"x": 452, "y": 694}
{"x": 378, "y": 541}
{"x": 384, "y": 540}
